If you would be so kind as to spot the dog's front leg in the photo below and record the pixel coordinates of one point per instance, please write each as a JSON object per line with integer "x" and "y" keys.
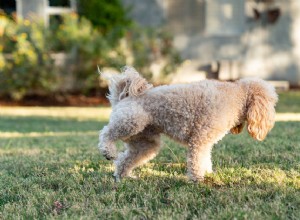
{"x": 199, "y": 161}
{"x": 106, "y": 144}
{"x": 123, "y": 124}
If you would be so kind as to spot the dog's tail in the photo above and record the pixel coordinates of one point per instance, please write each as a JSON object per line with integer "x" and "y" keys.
{"x": 128, "y": 83}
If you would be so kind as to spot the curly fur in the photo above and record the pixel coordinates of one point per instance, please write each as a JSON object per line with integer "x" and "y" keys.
{"x": 129, "y": 83}
{"x": 197, "y": 115}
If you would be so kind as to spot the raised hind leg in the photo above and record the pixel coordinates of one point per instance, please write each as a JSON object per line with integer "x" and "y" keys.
{"x": 123, "y": 124}
{"x": 140, "y": 149}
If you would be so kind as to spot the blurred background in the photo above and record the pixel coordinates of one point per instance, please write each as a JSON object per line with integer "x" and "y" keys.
{"x": 50, "y": 49}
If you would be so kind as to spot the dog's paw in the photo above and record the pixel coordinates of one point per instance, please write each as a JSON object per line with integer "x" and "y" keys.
{"x": 132, "y": 176}
{"x": 109, "y": 155}
{"x": 197, "y": 179}
{"x": 117, "y": 178}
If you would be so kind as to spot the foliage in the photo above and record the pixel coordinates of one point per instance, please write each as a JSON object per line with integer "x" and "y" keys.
{"x": 140, "y": 47}
{"x": 150, "y": 46}
{"x": 108, "y": 16}
{"x": 27, "y": 65}
{"x": 50, "y": 167}
{"x": 89, "y": 48}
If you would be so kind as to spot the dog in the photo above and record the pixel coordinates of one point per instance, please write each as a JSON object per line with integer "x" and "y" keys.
{"x": 197, "y": 115}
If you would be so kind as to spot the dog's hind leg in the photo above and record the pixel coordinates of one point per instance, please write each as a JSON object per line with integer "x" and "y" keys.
{"x": 124, "y": 123}
{"x": 140, "y": 149}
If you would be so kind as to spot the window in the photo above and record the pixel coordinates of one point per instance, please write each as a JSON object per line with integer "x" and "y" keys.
{"x": 60, "y": 3}
{"x": 8, "y": 6}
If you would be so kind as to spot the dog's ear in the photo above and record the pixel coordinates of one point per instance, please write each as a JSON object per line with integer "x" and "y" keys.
{"x": 260, "y": 114}
{"x": 123, "y": 88}
{"x": 237, "y": 129}
{"x": 138, "y": 86}
{"x": 133, "y": 87}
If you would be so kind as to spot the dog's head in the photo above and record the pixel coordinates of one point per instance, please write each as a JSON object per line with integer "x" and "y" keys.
{"x": 260, "y": 107}
{"x": 128, "y": 83}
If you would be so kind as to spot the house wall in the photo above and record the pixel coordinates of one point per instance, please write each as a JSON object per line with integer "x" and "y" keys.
{"x": 30, "y": 9}
{"x": 273, "y": 51}
{"x": 244, "y": 46}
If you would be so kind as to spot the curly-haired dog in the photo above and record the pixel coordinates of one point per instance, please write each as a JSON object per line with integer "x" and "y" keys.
{"x": 197, "y": 115}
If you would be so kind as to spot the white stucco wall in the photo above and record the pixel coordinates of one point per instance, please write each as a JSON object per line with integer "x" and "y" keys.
{"x": 273, "y": 51}
{"x": 249, "y": 48}
{"x": 31, "y": 9}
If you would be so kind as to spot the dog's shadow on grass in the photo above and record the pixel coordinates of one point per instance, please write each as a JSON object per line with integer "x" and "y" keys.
{"x": 174, "y": 175}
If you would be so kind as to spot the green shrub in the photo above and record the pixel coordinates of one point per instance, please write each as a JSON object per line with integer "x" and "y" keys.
{"x": 26, "y": 65}
{"x": 148, "y": 46}
{"x": 108, "y": 16}
{"x": 78, "y": 35}
{"x": 139, "y": 47}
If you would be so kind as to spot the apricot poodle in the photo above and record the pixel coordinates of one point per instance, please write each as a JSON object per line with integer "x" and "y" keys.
{"x": 197, "y": 115}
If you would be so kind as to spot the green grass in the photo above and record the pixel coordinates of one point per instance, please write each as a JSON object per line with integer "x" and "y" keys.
{"x": 50, "y": 167}
{"x": 289, "y": 102}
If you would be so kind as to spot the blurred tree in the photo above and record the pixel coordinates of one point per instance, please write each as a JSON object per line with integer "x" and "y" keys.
{"x": 108, "y": 16}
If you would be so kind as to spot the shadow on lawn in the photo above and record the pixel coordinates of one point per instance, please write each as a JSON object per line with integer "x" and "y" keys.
{"x": 175, "y": 174}
{"x": 71, "y": 141}
{"x": 47, "y": 124}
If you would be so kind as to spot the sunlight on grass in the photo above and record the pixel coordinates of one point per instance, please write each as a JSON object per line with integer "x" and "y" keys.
{"x": 257, "y": 176}
{"x": 169, "y": 170}
{"x": 233, "y": 176}
{"x": 221, "y": 177}
{"x": 87, "y": 113}
{"x": 45, "y": 134}
{"x": 146, "y": 171}
{"x": 82, "y": 113}
{"x": 20, "y": 151}
{"x": 288, "y": 116}
{"x": 87, "y": 166}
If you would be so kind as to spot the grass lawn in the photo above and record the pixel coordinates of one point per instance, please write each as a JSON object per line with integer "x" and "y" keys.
{"x": 50, "y": 167}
